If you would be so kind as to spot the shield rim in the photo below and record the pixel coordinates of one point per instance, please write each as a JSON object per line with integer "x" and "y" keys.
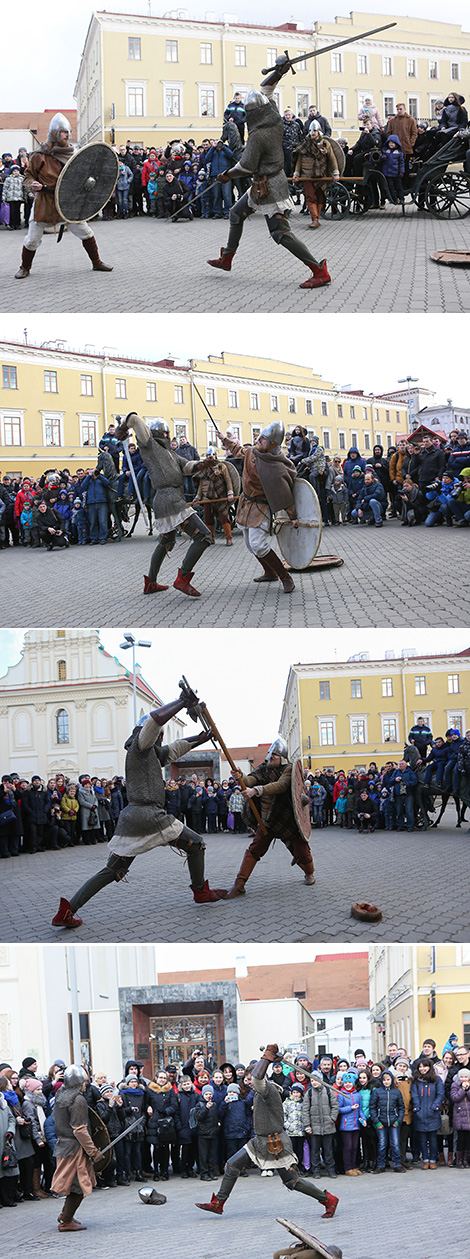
{"x": 279, "y": 535}
{"x": 294, "y": 801}
{"x": 98, "y": 1125}
{"x": 297, "y": 1231}
{"x": 92, "y": 145}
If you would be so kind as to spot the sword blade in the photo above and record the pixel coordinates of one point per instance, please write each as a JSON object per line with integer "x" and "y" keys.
{"x": 193, "y": 199}
{"x": 121, "y": 1135}
{"x": 352, "y": 39}
{"x": 132, "y": 472}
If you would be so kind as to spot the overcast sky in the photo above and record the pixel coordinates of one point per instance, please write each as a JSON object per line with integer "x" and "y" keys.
{"x": 242, "y": 676}
{"x": 42, "y": 43}
{"x": 363, "y": 351}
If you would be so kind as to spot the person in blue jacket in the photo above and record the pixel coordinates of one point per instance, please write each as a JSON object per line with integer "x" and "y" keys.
{"x": 439, "y": 500}
{"x": 235, "y": 1120}
{"x": 402, "y": 784}
{"x": 354, "y": 460}
{"x": 460, "y": 455}
{"x": 218, "y": 160}
{"x": 64, "y": 509}
{"x": 351, "y": 1117}
{"x": 371, "y": 502}
{"x": 427, "y": 1094}
{"x": 387, "y": 1110}
{"x": 95, "y": 487}
{"x": 451, "y": 772}
{"x": 393, "y": 167}
{"x": 436, "y": 762}
{"x": 187, "y": 1136}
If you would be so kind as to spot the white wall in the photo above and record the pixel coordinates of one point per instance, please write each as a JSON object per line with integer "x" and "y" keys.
{"x": 338, "y": 1041}
{"x": 261, "y": 1022}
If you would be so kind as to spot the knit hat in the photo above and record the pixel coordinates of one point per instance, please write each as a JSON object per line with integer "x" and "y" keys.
{"x": 349, "y": 1077}
{"x": 464, "y": 1074}
{"x": 107, "y": 1088}
{"x": 27, "y": 1063}
{"x": 58, "y": 1062}
{"x": 207, "y": 1091}
{"x": 297, "y": 1088}
{"x": 233, "y": 1088}
{"x": 31, "y": 1086}
{"x": 316, "y": 1075}
{"x": 132, "y": 1079}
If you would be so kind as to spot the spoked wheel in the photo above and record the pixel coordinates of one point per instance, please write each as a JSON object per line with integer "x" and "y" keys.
{"x": 361, "y": 199}
{"x": 337, "y": 201}
{"x": 448, "y": 195}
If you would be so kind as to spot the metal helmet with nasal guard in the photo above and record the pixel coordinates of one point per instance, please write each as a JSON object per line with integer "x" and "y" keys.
{"x": 159, "y": 428}
{"x": 274, "y": 435}
{"x": 75, "y": 1076}
{"x": 59, "y": 123}
{"x": 278, "y": 748}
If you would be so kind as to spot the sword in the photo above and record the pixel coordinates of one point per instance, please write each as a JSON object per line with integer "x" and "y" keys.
{"x": 132, "y": 472}
{"x": 121, "y": 1135}
{"x": 214, "y": 425}
{"x": 209, "y": 725}
{"x": 318, "y": 51}
{"x": 193, "y": 199}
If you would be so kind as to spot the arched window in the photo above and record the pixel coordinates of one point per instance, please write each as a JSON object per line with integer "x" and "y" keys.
{"x": 61, "y": 671}
{"x": 62, "y": 726}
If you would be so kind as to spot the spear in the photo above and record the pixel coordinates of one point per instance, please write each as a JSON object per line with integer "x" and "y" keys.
{"x": 209, "y": 725}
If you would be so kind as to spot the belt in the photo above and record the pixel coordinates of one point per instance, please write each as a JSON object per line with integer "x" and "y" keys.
{"x": 254, "y": 500}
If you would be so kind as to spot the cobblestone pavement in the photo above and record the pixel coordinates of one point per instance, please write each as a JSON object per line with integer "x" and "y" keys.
{"x": 388, "y": 578}
{"x": 379, "y": 262}
{"x": 155, "y": 903}
{"x": 425, "y": 1219}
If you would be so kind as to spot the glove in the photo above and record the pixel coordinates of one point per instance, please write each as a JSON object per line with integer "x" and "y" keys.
{"x": 271, "y": 1052}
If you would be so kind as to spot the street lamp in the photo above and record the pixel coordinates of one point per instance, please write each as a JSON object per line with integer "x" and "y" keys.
{"x": 131, "y": 642}
{"x": 408, "y": 380}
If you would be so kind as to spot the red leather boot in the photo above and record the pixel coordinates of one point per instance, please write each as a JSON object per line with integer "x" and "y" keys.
{"x": 224, "y": 263}
{"x": 207, "y": 895}
{"x": 214, "y": 1205}
{"x": 152, "y": 587}
{"x": 318, "y": 278}
{"x": 183, "y": 582}
{"x": 331, "y": 1205}
{"x": 64, "y": 916}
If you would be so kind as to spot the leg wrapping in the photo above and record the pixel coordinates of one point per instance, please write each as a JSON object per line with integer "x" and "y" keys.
{"x": 294, "y": 1181}
{"x": 71, "y": 1205}
{"x": 201, "y": 539}
{"x": 164, "y": 545}
{"x": 113, "y": 872}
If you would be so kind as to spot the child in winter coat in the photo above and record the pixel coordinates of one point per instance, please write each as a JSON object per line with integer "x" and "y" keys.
{"x": 293, "y": 1119}
{"x": 341, "y": 808}
{"x": 235, "y": 806}
{"x": 338, "y": 497}
{"x": 211, "y": 810}
{"x": 427, "y": 1092}
{"x": 207, "y": 1124}
{"x": 393, "y": 166}
{"x": 460, "y": 1096}
{"x": 125, "y": 178}
{"x": 350, "y": 807}
{"x": 26, "y": 522}
{"x": 402, "y": 1076}
{"x": 187, "y": 1135}
{"x": 351, "y": 1116}
{"x": 235, "y": 1120}
{"x": 79, "y": 523}
{"x": 387, "y": 1110}
{"x": 387, "y": 809}
{"x": 436, "y": 761}
{"x": 320, "y": 1111}
{"x": 13, "y": 194}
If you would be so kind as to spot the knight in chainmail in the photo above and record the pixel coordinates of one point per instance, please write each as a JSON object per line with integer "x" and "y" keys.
{"x": 267, "y": 498}
{"x": 167, "y": 470}
{"x": 41, "y": 175}
{"x": 144, "y": 824}
{"x": 75, "y": 1150}
{"x": 263, "y": 161}
{"x": 270, "y": 787}
{"x": 270, "y": 1148}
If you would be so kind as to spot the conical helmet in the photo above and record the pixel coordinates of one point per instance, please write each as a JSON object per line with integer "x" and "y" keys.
{"x": 278, "y": 748}
{"x": 75, "y": 1076}
{"x": 274, "y": 435}
{"x": 59, "y": 123}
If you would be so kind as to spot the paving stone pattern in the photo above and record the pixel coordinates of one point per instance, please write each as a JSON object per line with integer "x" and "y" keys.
{"x": 423, "y": 1215}
{"x": 397, "y": 872}
{"x": 390, "y": 577}
{"x": 379, "y": 262}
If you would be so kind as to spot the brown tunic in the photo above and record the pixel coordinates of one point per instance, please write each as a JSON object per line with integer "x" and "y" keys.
{"x": 250, "y": 514}
{"x": 45, "y": 169}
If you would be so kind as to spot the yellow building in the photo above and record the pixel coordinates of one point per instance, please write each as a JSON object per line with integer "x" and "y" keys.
{"x": 151, "y": 79}
{"x": 343, "y": 715}
{"x": 418, "y": 990}
{"x": 55, "y": 404}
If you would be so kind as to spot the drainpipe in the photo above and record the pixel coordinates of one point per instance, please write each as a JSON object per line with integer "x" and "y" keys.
{"x": 317, "y": 78}
{"x": 103, "y": 386}
{"x": 387, "y": 994}
{"x": 102, "y": 83}
{"x": 193, "y": 402}
{"x": 404, "y": 664}
{"x": 224, "y": 96}
{"x": 414, "y": 980}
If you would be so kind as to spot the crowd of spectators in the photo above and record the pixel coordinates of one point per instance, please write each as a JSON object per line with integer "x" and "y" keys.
{"x": 344, "y": 1118}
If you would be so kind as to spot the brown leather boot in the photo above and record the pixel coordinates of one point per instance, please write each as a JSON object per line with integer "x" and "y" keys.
{"x": 248, "y": 864}
{"x": 228, "y": 534}
{"x": 37, "y": 1184}
{"x": 27, "y": 256}
{"x": 268, "y": 574}
{"x": 91, "y": 248}
{"x": 277, "y": 566}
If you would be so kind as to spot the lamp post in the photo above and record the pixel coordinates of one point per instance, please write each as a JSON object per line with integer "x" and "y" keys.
{"x": 408, "y": 380}
{"x": 131, "y": 643}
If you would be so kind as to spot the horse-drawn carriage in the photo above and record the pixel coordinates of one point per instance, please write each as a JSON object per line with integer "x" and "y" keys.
{"x": 440, "y": 185}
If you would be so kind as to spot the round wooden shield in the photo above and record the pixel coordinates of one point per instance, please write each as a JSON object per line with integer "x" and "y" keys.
{"x": 300, "y": 799}
{"x": 339, "y": 154}
{"x": 101, "y": 1139}
{"x": 312, "y": 1242}
{"x": 86, "y": 182}
{"x": 299, "y": 546}
{"x": 234, "y": 475}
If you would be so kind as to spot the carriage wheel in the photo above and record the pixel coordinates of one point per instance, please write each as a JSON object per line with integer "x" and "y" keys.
{"x": 361, "y": 199}
{"x": 448, "y": 195}
{"x": 336, "y": 202}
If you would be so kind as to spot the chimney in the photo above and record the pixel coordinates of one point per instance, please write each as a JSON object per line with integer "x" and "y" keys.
{"x": 241, "y": 969}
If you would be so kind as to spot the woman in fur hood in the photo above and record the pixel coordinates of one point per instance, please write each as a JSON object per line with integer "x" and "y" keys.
{"x": 315, "y": 163}
{"x": 402, "y": 1076}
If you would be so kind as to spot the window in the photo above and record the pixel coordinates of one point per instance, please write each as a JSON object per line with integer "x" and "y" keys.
{"x": 61, "y": 671}
{"x": 389, "y": 730}
{"x": 387, "y": 67}
{"x": 348, "y": 1025}
{"x": 366, "y": 441}
{"x": 433, "y": 69}
{"x": 301, "y": 65}
{"x": 354, "y": 439}
{"x": 135, "y": 101}
{"x": 324, "y": 408}
{"x": 420, "y": 685}
{"x": 326, "y": 439}
{"x": 413, "y": 106}
{"x": 134, "y": 49}
{"x": 356, "y": 688}
{"x": 172, "y": 102}
{"x": 50, "y": 382}
{"x": 172, "y": 50}
{"x": 206, "y": 54}
{"x": 302, "y": 101}
{"x": 233, "y": 398}
{"x": 254, "y": 402}
{"x": 86, "y": 386}
{"x": 411, "y": 67}
{"x": 454, "y": 70}
{"x": 364, "y": 413}
{"x": 327, "y": 733}
{"x": 378, "y": 438}
{"x": 62, "y": 726}
{"x": 271, "y": 57}
{"x": 324, "y": 690}
{"x": 389, "y": 440}
{"x": 151, "y": 391}
{"x": 52, "y": 427}
{"x": 88, "y": 432}
{"x": 387, "y": 688}
{"x": 121, "y": 389}
{"x": 181, "y": 430}
{"x": 340, "y": 410}
{"x": 321, "y": 1025}
{"x": 342, "y": 440}
{"x": 10, "y": 380}
{"x": 255, "y": 432}
{"x": 292, "y": 405}
{"x": 352, "y": 413}
{"x": 12, "y": 430}
{"x": 337, "y": 104}
{"x": 453, "y": 684}
{"x": 308, "y": 406}
{"x": 211, "y": 398}
{"x": 207, "y": 102}
{"x": 358, "y": 730}
{"x": 60, "y": 633}
{"x": 337, "y": 62}
{"x": 240, "y": 55}
{"x": 362, "y": 66}
{"x": 456, "y": 721}
{"x": 179, "y": 394}
{"x": 274, "y": 402}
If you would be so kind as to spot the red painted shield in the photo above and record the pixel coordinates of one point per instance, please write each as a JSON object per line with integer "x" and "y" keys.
{"x": 300, "y": 800}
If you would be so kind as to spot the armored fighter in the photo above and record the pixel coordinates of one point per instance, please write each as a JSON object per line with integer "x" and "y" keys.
{"x": 263, "y": 161}
{"x": 267, "y": 499}
{"x": 42, "y": 173}
{"x": 75, "y": 1150}
{"x": 143, "y": 824}
{"x": 167, "y": 470}
{"x": 270, "y": 1148}
{"x": 270, "y": 785}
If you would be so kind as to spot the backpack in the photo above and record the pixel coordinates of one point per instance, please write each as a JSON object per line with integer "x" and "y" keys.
{"x": 193, "y": 1119}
